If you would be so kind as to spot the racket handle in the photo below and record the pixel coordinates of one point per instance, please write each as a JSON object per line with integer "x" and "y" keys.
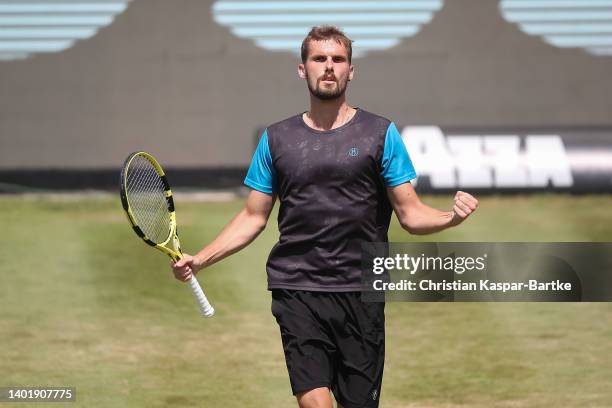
{"x": 205, "y": 307}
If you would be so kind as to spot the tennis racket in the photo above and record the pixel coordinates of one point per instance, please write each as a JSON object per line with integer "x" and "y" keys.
{"x": 147, "y": 200}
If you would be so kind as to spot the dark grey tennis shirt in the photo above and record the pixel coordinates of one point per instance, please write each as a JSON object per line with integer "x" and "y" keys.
{"x": 332, "y": 191}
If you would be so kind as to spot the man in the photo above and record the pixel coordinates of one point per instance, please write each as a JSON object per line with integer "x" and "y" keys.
{"x": 338, "y": 172}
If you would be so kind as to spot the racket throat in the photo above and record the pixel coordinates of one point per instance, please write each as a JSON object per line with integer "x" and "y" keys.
{"x": 176, "y": 245}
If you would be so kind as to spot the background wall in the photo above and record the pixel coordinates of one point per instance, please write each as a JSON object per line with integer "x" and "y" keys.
{"x": 165, "y": 77}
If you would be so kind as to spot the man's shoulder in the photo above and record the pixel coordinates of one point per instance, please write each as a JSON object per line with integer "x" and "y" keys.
{"x": 285, "y": 124}
{"x": 369, "y": 116}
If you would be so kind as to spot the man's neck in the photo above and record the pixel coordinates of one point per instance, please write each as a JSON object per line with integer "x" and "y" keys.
{"x": 327, "y": 115}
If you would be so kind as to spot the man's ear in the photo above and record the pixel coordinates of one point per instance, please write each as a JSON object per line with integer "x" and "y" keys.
{"x": 351, "y": 72}
{"x": 302, "y": 71}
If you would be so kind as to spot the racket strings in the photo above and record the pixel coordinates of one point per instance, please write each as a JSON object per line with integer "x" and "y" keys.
{"x": 155, "y": 205}
{"x": 151, "y": 203}
{"x": 142, "y": 189}
{"x": 147, "y": 198}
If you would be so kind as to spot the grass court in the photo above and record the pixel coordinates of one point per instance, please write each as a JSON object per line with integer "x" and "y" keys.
{"x": 84, "y": 303}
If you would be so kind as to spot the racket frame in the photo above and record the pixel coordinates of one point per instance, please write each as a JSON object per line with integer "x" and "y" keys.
{"x": 175, "y": 252}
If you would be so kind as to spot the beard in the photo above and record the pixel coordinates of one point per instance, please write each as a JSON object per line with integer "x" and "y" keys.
{"x": 327, "y": 94}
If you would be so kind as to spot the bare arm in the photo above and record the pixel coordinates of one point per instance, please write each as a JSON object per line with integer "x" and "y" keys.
{"x": 237, "y": 234}
{"x": 420, "y": 219}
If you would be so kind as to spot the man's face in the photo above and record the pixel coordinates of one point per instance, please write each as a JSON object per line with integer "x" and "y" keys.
{"x": 327, "y": 69}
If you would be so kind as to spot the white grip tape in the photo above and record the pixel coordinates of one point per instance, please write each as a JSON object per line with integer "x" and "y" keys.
{"x": 205, "y": 307}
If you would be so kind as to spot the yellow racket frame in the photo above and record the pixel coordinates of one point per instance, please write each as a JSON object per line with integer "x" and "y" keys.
{"x": 174, "y": 252}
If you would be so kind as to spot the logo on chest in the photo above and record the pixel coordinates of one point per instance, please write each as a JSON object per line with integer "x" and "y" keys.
{"x": 353, "y": 152}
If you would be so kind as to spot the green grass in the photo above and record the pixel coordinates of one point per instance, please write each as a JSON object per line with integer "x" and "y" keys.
{"x": 84, "y": 303}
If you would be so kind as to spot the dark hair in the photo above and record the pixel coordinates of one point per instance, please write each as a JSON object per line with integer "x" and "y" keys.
{"x": 326, "y": 32}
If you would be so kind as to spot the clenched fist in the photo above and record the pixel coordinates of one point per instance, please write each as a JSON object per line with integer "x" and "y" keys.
{"x": 465, "y": 204}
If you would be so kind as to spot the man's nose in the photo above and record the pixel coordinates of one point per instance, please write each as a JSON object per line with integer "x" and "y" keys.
{"x": 329, "y": 64}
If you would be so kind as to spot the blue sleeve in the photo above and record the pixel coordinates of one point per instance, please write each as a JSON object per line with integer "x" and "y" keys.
{"x": 261, "y": 176}
{"x": 396, "y": 165}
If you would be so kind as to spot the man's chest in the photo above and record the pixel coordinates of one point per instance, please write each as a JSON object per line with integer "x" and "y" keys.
{"x": 315, "y": 158}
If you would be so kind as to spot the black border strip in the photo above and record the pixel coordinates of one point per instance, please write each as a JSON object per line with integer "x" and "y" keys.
{"x": 217, "y": 178}
{"x": 12, "y": 181}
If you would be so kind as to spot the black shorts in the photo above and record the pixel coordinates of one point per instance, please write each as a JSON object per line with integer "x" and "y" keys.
{"x": 332, "y": 339}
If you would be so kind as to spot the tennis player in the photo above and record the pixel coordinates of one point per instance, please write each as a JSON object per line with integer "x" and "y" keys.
{"x": 338, "y": 172}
